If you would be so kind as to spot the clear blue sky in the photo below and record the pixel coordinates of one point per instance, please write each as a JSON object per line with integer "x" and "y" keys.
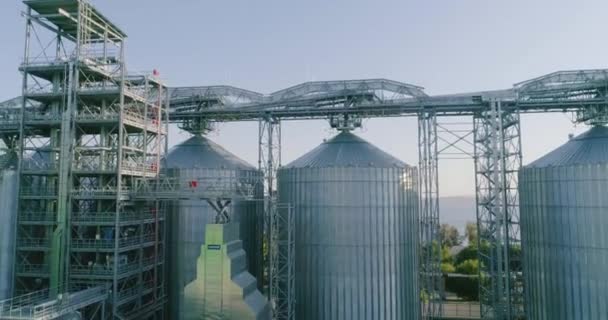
{"x": 445, "y": 46}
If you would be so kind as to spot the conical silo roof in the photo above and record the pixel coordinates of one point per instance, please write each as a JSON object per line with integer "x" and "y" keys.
{"x": 200, "y": 152}
{"x": 346, "y": 150}
{"x": 590, "y": 147}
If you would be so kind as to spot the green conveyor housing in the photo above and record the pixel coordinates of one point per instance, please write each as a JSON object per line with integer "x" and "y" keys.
{"x": 223, "y": 289}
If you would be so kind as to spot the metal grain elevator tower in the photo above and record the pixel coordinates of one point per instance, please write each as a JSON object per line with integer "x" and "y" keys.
{"x": 88, "y": 132}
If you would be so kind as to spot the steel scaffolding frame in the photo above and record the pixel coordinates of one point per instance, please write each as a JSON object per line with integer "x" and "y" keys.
{"x": 282, "y": 262}
{"x": 269, "y": 153}
{"x": 447, "y": 140}
{"x": 430, "y": 242}
{"x": 269, "y": 161}
{"x": 87, "y": 131}
{"x": 498, "y": 158}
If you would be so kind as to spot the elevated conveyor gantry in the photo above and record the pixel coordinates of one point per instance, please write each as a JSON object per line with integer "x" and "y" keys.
{"x": 497, "y": 152}
{"x": 497, "y": 155}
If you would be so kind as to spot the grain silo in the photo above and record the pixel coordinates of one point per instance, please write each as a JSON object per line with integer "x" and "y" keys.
{"x": 564, "y": 225}
{"x": 200, "y": 159}
{"x": 8, "y": 220}
{"x": 356, "y": 223}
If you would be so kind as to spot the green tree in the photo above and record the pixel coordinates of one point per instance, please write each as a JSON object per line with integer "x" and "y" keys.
{"x": 470, "y": 266}
{"x": 450, "y": 236}
{"x": 446, "y": 256}
{"x": 470, "y": 232}
{"x": 447, "y": 267}
{"x": 468, "y": 253}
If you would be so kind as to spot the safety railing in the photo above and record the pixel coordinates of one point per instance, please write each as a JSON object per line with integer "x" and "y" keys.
{"x": 110, "y": 217}
{"x": 46, "y": 60}
{"x": 32, "y": 268}
{"x": 10, "y": 117}
{"x": 34, "y": 116}
{"x": 34, "y": 243}
{"x": 94, "y": 163}
{"x": 29, "y": 191}
{"x": 141, "y": 168}
{"x": 97, "y": 192}
{"x": 204, "y": 188}
{"x": 33, "y": 165}
{"x": 108, "y": 269}
{"x": 29, "y": 216}
{"x": 128, "y": 293}
{"x": 24, "y": 300}
{"x": 461, "y": 310}
{"x": 124, "y": 242}
{"x": 40, "y": 305}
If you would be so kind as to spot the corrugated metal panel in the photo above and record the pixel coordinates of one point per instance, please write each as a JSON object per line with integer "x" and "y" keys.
{"x": 200, "y": 152}
{"x": 346, "y": 150}
{"x": 188, "y": 218}
{"x": 564, "y": 225}
{"x": 587, "y": 148}
{"x": 8, "y": 217}
{"x": 356, "y": 240}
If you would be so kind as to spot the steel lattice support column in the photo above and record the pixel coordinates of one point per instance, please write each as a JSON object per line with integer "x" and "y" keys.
{"x": 269, "y": 153}
{"x": 269, "y": 160}
{"x": 498, "y": 159}
{"x": 282, "y": 261}
{"x": 430, "y": 242}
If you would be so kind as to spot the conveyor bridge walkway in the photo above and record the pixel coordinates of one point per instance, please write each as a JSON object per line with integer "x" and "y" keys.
{"x": 40, "y": 306}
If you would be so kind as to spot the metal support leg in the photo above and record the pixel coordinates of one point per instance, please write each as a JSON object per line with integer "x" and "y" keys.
{"x": 269, "y": 156}
{"x": 282, "y": 262}
{"x": 430, "y": 242}
{"x": 221, "y": 206}
{"x": 498, "y": 159}
{"x": 269, "y": 160}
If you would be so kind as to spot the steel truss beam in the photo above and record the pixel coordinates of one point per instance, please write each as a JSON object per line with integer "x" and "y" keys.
{"x": 498, "y": 158}
{"x": 430, "y": 268}
{"x": 454, "y": 138}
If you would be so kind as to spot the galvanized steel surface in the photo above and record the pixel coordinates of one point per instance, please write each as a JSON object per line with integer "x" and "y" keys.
{"x": 8, "y": 217}
{"x": 590, "y": 147}
{"x": 564, "y": 224}
{"x": 200, "y": 152}
{"x": 200, "y": 158}
{"x": 356, "y": 233}
{"x": 346, "y": 150}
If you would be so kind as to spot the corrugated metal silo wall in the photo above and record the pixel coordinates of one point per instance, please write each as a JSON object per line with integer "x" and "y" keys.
{"x": 187, "y": 221}
{"x": 564, "y": 224}
{"x": 356, "y": 242}
{"x": 8, "y": 217}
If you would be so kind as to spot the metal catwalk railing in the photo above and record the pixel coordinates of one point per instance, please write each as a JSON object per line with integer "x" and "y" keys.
{"x": 204, "y": 188}
{"x": 41, "y": 306}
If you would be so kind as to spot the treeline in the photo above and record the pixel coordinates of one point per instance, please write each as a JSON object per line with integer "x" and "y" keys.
{"x": 459, "y": 261}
